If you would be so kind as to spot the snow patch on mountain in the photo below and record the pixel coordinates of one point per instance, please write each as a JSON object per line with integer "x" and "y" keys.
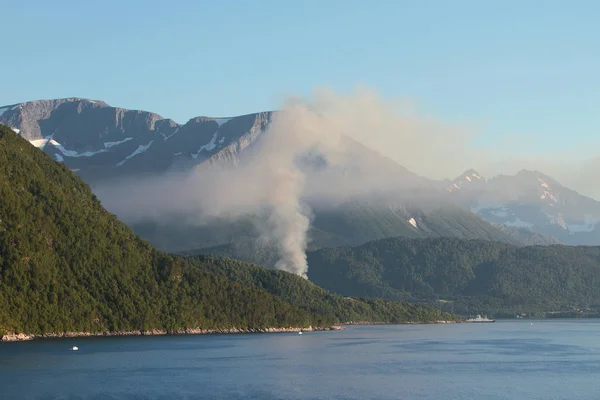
{"x": 48, "y": 140}
{"x": 17, "y": 131}
{"x": 73, "y": 153}
{"x": 141, "y": 148}
{"x": 208, "y": 146}
{"x": 167, "y": 137}
{"x": 413, "y": 222}
{"x": 59, "y": 158}
{"x": 108, "y": 145}
{"x": 40, "y": 143}
{"x": 548, "y": 195}
{"x": 468, "y": 178}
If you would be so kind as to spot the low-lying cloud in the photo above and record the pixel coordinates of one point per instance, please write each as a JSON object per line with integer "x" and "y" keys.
{"x": 327, "y": 125}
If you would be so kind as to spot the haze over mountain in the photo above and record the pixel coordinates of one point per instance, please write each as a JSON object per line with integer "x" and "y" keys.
{"x": 295, "y": 178}
{"x": 530, "y": 200}
{"x": 69, "y": 266}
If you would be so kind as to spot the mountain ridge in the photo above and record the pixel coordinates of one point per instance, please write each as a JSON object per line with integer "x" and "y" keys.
{"x": 105, "y": 144}
{"x": 533, "y": 200}
{"x": 68, "y": 266}
{"x": 100, "y": 141}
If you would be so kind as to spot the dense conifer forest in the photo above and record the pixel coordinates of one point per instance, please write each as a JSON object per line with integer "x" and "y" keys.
{"x": 466, "y": 276}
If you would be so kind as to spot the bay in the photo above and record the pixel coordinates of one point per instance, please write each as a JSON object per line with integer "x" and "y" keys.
{"x": 551, "y": 359}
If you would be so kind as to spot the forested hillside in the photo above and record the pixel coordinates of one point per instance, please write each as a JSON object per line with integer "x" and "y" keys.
{"x": 67, "y": 265}
{"x": 466, "y": 276}
{"x": 308, "y": 296}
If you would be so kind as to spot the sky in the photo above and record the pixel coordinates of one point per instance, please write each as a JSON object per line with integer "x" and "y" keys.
{"x": 526, "y": 72}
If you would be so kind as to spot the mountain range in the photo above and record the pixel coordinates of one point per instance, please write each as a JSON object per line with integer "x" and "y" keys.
{"x": 69, "y": 267}
{"x": 105, "y": 144}
{"x": 530, "y": 200}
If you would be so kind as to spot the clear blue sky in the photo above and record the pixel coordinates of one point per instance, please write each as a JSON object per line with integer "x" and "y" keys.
{"x": 530, "y": 67}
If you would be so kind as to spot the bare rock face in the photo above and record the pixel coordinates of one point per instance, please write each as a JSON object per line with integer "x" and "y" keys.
{"x": 101, "y": 142}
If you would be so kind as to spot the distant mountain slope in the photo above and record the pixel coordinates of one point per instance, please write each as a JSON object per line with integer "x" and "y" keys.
{"x": 67, "y": 265}
{"x": 99, "y": 141}
{"x": 533, "y": 201}
{"x": 105, "y": 144}
{"x": 469, "y": 275}
{"x": 354, "y": 224}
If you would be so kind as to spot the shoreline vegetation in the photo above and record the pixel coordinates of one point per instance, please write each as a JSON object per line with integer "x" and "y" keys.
{"x": 22, "y": 337}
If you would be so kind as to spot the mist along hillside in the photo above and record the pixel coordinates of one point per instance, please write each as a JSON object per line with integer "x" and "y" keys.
{"x": 67, "y": 265}
{"x": 352, "y": 223}
{"x": 466, "y": 276}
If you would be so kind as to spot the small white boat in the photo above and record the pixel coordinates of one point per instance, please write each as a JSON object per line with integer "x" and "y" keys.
{"x": 74, "y": 348}
{"x": 480, "y": 319}
{"x": 300, "y": 333}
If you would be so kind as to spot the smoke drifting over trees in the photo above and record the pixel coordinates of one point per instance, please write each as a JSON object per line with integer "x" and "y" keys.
{"x": 270, "y": 180}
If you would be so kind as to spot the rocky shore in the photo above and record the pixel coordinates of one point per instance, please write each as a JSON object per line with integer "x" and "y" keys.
{"x": 401, "y": 323}
{"x": 18, "y": 337}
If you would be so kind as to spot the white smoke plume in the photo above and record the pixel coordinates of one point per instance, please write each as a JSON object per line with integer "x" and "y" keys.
{"x": 272, "y": 181}
{"x": 292, "y": 132}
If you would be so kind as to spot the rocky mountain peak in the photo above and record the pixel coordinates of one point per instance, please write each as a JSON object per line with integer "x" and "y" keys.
{"x": 468, "y": 179}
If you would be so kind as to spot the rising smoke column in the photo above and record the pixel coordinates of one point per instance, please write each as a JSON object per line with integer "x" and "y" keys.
{"x": 268, "y": 179}
{"x": 293, "y": 131}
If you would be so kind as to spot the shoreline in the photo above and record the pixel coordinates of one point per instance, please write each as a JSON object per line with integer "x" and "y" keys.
{"x": 22, "y": 337}
{"x": 442, "y": 322}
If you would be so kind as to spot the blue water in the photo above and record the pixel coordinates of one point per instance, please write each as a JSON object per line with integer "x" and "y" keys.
{"x": 505, "y": 360}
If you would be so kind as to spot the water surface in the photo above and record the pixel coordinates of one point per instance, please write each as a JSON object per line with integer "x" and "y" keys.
{"x": 504, "y": 360}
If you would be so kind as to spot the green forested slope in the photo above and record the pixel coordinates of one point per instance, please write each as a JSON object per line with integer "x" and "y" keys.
{"x": 68, "y": 265}
{"x": 474, "y": 275}
{"x": 308, "y": 296}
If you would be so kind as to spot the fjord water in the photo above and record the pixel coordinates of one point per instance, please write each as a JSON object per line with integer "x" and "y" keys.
{"x": 507, "y": 360}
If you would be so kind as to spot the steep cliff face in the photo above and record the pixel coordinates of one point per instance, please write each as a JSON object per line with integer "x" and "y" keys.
{"x": 114, "y": 149}
{"x": 100, "y": 142}
{"x": 231, "y": 153}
